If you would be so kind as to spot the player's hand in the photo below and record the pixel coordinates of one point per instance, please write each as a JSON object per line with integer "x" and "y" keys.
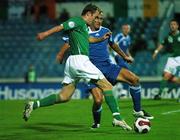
{"x": 154, "y": 56}
{"x": 107, "y": 35}
{"x": 129, "y": 59}
{"x": 59, "y": 58}
{"x": 40, "y": 36}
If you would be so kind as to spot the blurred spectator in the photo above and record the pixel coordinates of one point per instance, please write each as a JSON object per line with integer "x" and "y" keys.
{"x": 64, "y": 15}
{"x": 151, "y": 44}
{"x": 43, "y": 12}
{"x": 30, "y": 76}
{"x": 139, "y": 45}
{"x": 110, "y": 22}
{"x": 28, "y": 13}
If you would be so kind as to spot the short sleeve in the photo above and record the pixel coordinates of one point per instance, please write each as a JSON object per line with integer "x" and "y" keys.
{"x": 164, "y": 42}
{"x": 111, "y": 40}
{"x": 116, "y": 38}
{"x": 65, "y": 39}
{"x": 71, "y": 24}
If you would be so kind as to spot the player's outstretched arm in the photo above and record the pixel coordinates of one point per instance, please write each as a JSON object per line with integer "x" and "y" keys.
{"x": 117, "y": 49}
{"x": 43, "y": 35}
{"x": 95, "y": 40}
{"x": 60, "y": 55}
{"x": 156, "y": 51}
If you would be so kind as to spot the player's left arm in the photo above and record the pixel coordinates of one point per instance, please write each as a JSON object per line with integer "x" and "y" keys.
{"x": 95, "y": 40}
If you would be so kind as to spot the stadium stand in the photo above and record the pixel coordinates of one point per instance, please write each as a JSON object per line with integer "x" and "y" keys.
{"x": 19, "y": 48}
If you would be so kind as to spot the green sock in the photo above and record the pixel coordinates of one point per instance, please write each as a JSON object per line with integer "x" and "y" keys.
{"x": 112, "y": 103}
{"x": 47, "y": 101}
{"x": 163, "y": 84}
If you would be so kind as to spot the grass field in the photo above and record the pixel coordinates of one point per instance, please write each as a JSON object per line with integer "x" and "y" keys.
{"x": 71, "y": 121}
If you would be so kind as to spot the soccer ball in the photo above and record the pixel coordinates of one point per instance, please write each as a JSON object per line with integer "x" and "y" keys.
{"x": 142, "y": 125}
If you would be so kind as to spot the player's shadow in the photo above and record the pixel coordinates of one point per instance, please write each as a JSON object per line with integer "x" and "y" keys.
{"x": 64, "y": 127}
{"x": 47, "y": 127}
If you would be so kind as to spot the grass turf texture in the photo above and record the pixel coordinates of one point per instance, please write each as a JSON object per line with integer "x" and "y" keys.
{"x": 72, "y": 121}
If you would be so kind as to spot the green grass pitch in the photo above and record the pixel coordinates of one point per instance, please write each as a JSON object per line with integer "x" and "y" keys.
{"x": 72, "y": 121}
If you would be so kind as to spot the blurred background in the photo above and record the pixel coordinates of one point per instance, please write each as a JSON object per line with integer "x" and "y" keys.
{"x": 24, "y": 60}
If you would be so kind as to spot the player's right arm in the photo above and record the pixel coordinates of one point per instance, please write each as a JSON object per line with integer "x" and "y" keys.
{"x": 95, "y": 40}
{"x": 156, "y": 51}
{"x": 43, "y": 35}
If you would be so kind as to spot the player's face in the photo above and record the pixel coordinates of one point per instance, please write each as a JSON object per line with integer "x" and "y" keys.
{"x": 126, "y": 29}
{"x": 92, "y": 16}
{"x": 98, "y": 21}
{"x": 174, "y": 26}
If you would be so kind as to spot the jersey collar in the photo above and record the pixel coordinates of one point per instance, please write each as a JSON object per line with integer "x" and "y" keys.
{"x": 90, "y": 31}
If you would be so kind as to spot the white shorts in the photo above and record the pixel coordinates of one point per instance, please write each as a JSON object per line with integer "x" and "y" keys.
{"x": 172, "y": 64}
{"x": 80, "y": 67}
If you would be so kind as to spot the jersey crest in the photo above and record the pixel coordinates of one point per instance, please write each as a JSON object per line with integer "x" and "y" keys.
{"x": 170, "y": 39}
{"x": 178, "y": 39}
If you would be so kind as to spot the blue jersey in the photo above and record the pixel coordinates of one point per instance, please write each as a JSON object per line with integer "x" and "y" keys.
{"x": 99, "y": 52}
{"x": 99, "y": 55}
{"x": 123, "y": 41}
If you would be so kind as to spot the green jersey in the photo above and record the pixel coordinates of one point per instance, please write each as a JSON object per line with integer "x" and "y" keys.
{"x": 173, "y": 41}
{"x": 78, "y": 35}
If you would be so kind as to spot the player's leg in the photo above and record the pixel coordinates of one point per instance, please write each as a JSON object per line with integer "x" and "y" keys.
{"x": 112, "y": 104}
{"x": 166, "y": 77}
{"x": 135, "y": 90}
{"x": 128, "y": 77}
{"x": 97, "y": 106}
{"x": 63, "y": 96}
{"x": 90, "y": 71}
{"x": 175, "y": 80}
{"x": 170, "y": 70}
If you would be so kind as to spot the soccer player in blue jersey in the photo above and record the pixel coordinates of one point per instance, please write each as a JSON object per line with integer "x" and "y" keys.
{"x": 123, "y": 40}
{"x": 99, "y": 56}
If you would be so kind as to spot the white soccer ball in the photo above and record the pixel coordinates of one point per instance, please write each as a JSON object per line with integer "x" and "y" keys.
{"x": 142, "y": 125}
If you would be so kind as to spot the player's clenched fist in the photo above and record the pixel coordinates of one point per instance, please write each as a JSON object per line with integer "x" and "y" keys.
{"x": 40, "y": 36}
{"x": 129, "y": 59}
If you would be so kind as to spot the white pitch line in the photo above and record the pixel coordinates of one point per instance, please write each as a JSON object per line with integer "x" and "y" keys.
{"x": 170, "y": 112}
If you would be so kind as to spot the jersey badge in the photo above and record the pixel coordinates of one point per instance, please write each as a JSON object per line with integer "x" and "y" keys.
{"x": 170, "y": 39}
{"x": 71, "y": 24}
{"x": 178, "y": 39}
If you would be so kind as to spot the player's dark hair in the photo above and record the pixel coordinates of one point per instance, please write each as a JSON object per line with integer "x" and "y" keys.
{"x": 89, "y": 8}
{"x": 174, "y": 20}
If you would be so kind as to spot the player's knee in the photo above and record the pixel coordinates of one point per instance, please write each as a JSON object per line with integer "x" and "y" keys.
{"x": 108, "y": 86}
{"x": 135, "y": 80}
{"x": 64, "y": 98}
{"x": 98, "y": 100}
{"x": 167, "y": 77}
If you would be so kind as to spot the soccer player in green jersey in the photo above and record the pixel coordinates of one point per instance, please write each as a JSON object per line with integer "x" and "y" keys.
{"x": 173, "y": 62}
{"x": 78, "y": 66}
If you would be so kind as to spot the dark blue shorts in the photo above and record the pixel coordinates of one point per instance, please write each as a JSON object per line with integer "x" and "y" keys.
{"x": 120, "y": 61}
{"x": 109, "y": 70}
